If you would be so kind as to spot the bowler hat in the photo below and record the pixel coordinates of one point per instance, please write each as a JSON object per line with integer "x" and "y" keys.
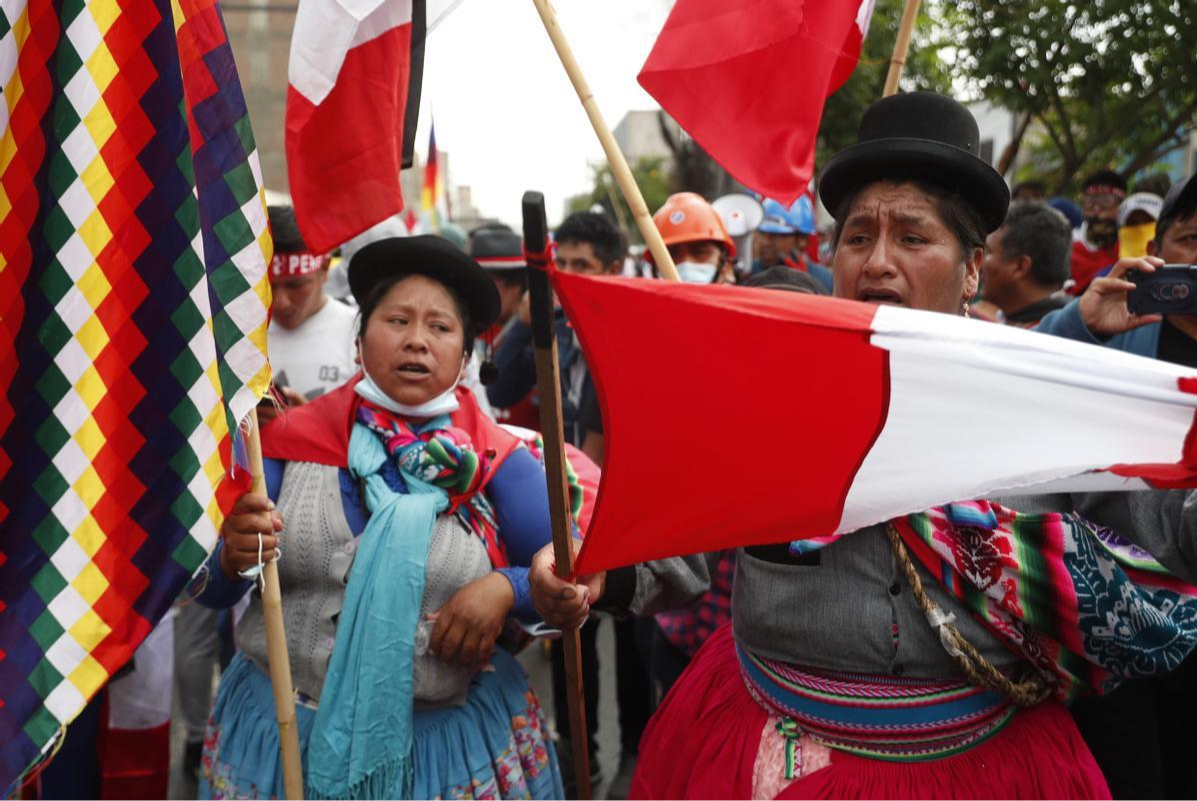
{"x": 918, "y": 136}
{"x": 435, "y": 258}
{"x": 499, "y": 249}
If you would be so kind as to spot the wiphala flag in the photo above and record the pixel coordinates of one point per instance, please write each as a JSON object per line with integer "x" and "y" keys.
{"x": 133, "y": 312}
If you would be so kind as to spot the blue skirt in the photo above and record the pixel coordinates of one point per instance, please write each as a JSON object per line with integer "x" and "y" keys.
{"x": 495, "y": 746}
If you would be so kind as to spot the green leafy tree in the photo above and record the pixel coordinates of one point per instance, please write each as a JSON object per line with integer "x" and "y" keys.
{"x": 923, "y": 70}
{"x": 653, "y": 179}
{"x": 1108, "y": 83}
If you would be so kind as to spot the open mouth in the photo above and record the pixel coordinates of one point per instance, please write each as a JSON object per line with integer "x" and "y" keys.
{"x": 879, "y": 295}
{"x": 414, "y": 368}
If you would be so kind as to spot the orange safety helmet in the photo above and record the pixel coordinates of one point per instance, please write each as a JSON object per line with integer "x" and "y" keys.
{"x": 686, "y": 217}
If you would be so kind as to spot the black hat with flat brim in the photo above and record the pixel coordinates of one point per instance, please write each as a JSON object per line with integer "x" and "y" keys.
{"x": 498, "y": 249}
{"x": 430, "y": 256}
{"x": 919, "y": 136}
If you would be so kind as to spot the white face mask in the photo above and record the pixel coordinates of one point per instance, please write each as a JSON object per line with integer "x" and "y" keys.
{"x": 445, "y": 403}
{"x": 696, "y": 272}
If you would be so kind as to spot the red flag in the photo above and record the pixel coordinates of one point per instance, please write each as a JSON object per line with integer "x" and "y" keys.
{"x": 806, "y": 416}
{"x": 748, "y": 81}
{"x": 354, "y": 94}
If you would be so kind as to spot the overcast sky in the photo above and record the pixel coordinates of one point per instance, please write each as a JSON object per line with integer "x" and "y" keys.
{"x": 506, "y": 112}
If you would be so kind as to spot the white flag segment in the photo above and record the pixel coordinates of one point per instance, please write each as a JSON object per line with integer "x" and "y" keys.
{"x": 351, "y": 76}
{"x": 325, "y": 32}
{"x": 1021, "y": 411}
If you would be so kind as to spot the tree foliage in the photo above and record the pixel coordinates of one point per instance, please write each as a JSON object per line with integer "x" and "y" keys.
{"x": 923, "y": 70}
{"x": 1111, "y": 83}
{"x": 651, "y": 176}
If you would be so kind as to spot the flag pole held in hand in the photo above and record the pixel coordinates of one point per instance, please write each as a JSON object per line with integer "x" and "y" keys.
{"x": 548, "y": 379}
{"x": 276, "y": 638}
{"x": 619, "y": 165}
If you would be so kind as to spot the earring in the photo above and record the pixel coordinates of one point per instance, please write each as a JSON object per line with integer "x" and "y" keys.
{"x": 964, "y": 309}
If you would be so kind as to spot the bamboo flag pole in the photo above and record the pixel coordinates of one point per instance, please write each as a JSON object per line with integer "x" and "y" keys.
{"x": 548, "y": 379}
{"x": 619, "y": 165}
{"x": 901, "y": 47}
{"x": 276, "y": 639}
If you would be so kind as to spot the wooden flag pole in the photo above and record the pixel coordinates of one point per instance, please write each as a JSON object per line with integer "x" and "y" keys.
{"x": 619, "y": 165}
{"x": 901, "y": 47}
{"x": 276, "y": 639}
{"x": 548, "y": 379}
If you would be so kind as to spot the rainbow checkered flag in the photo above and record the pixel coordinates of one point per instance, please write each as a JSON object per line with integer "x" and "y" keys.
{"x": 133, "y": 312}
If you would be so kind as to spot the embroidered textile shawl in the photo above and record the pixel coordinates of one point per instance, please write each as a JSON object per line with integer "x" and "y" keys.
{"x": 1080, "y": 603}
{"x": 444, "y": 457}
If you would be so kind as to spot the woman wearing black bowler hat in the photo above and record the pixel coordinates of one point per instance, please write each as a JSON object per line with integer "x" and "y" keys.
{"x": 405, "y": 516}
{"x": 849, "y": 670}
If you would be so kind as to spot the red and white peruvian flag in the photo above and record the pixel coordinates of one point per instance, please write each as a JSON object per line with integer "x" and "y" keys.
{"x": 351, "y": 113}
{"x": 738, "y": 416}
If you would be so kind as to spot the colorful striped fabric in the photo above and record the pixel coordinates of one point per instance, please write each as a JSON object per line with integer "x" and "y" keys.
{"x": 442, "y": 455}
{"x": 882, "y": 717}
{"x": 1084, "y": 606}
{"x": 133, "y": 312}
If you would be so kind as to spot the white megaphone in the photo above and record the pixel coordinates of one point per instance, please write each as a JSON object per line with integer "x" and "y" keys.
{"x": 742, "y": 215}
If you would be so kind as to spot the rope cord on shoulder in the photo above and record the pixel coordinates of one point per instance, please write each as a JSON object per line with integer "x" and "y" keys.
{"x": 979, "y": 671}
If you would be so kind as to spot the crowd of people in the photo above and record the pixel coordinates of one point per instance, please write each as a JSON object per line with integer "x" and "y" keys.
{"x": 407, "y": 506}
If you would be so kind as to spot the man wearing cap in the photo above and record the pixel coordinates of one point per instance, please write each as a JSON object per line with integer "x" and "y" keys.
{"x": 1155, "y": 762}
{"x": 1026, "y": 263}
{"x": 1137, "y": 217}
{"x": 1095, "y": 245}
{"x": 310, "y": 338}
{"x": 783, "y": 239}
{"x": 500, "y": 253}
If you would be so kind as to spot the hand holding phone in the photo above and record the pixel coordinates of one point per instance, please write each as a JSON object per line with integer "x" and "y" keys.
{"x": 1171, "y": 289}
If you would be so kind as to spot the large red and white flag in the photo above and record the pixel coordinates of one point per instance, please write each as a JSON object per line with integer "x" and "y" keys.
{"x": 797, "y": 416}
{"x": 748, "y": 80}
{"x": 354, "y": 95}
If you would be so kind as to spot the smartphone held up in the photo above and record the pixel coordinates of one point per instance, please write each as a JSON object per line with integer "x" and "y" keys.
{"x": 1171, "y": 289}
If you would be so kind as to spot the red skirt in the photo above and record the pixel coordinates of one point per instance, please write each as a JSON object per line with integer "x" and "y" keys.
{"x": 703, "y": 743}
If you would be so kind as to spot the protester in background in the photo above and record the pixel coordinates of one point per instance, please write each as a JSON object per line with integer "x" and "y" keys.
{"x": 1071, "y": 211}
{"x": 310, "y": 338}
{"x": 404, "y": 564}
{"x": 771, "y": 706}
{"x": 1028, "y": 190}
{"x": 587, "y": 244}
{"x": 1095, "y": 245}
{"x": 783, "y": 237}
{"x": 1155, "y": 759}
{"x": 787, "y": 279}
{"x": 500, "y": 252}
{"x": 1170, "y": 339}
{"x": 697, "y": 240}
{"x": 1136, "y": 223}
{"x": 1026, "y": 263}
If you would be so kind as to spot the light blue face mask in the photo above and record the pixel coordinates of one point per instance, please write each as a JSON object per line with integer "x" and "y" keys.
{"x": 445, "y": 403}
{"x": 696, "y": 272}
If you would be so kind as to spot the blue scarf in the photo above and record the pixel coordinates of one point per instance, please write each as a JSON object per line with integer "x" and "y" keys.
{"x": 362, "y": 739}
